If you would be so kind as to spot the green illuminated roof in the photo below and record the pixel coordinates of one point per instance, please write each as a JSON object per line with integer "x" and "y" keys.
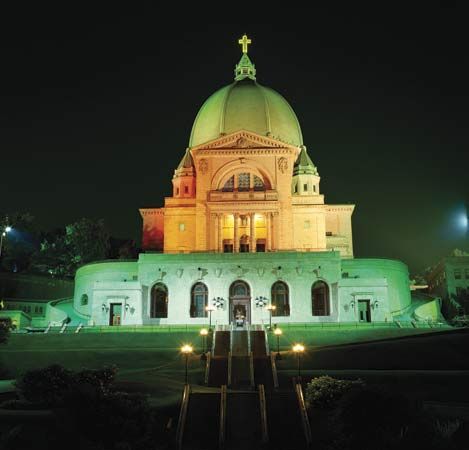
{"x": 186, "y": 162}
{"x": 303, "y": 164}
{"x": 246, "y": 105}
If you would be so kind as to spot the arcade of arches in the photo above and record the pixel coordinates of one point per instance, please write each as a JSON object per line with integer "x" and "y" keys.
{"x": 240, "y": 300}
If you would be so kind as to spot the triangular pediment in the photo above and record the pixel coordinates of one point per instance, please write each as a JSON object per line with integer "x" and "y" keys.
{"x": 243, "y": 140}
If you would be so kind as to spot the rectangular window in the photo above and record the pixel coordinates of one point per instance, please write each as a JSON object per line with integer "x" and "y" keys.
{"x": 328, "y": 233}
{"x": 182, "y": 227}
{"x": 186, "y": 189}
{"x": 307, "y": 224}
{"x": 305, "y": 187}
{"x": 314, "y": 188}
{"x": 457, "y": 274}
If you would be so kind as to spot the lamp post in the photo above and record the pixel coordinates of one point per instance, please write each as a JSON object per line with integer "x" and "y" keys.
{"x": 299, "y": 350}
{"x": 209, "y": 309}
{"x": 186, "y": 350}
{"x": 271, "y": 308}
{"x": 203, "y": 333}
{"x": 5, "y": 231}
{"x": 278, "y": 333}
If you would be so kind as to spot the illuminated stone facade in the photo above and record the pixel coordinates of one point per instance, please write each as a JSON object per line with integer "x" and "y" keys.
{"x": 246, "y": 228}
{"x": 246, "y": 182}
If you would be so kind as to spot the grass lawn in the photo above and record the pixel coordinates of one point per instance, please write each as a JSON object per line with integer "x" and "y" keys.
{"x": 344, "y": 334}
{"x": 434, "y": 365}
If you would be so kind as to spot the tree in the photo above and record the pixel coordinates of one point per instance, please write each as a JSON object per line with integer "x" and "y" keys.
{"x": 4, "y": 330}
{"x": 87, "y": 240}
{"x": 21, "y": 243}
{"x": 63, "y": 251}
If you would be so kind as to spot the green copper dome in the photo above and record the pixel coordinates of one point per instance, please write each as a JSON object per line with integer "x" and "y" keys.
{"x": 246, "y": 105}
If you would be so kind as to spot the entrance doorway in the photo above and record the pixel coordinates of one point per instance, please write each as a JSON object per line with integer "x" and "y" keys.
{"x": 364, "y": 311}
{"x": 240, "y": 304}
{"x": 244, "y": 244}
{"x": 115, "y": 316}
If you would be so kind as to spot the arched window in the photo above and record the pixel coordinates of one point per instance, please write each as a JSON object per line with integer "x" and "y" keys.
{"x": 84, "y": 300}
{"x": 320, "y": 299}
{"x": 229, "y": 185}
{"x": 199, "y": 300}
{"x": 258, "y": 184}
{"x": 239, "y": 289}
{"x": 280, "y": 299}
{"x": 243, "y": 182}
{"x": 159, "y": 301}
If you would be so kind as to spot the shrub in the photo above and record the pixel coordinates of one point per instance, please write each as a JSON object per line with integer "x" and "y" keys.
{"x": 324, "y": 392}
{"x": 52, "y": 385}
{"x": 18, "y": 404}
{"x": 102, "y": 379}
{"x": 46, "y": 386}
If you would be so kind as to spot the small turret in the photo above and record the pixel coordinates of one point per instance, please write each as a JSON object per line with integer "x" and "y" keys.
{"x": 305, "y": 179}
{"x": 184, "y": 177}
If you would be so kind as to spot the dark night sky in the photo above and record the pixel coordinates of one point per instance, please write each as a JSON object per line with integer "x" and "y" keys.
{"x": 96, "y": 112}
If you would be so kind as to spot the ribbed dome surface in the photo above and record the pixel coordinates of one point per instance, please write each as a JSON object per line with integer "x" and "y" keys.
{"x": 246, "y": 105}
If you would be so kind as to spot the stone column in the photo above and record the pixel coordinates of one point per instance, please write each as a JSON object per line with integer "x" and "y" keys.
{"x": 220, "y": 233}
{"x": 235, "y": 233}
{"x": 275, "y": 231}
{"x": 252, "y": 234}
{"x": 268, "y": 231}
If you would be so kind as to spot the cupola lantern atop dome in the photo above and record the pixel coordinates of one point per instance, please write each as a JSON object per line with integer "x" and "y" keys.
{"x": 245, "y": 68}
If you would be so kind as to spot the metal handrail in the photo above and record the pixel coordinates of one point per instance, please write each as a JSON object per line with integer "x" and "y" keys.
{"x": 182, "y": 417}
{"x": 207, "y": 366}
{"x": 230, "y": 364}
{"x": 303, "y": 414}
{"x": 222, "y": 429}
{"x": 251, "y": 369}
{"x": 263, "y": 410}
{"x": 274, "y": 370}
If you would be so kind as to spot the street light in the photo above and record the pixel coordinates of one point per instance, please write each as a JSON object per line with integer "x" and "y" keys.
{"x": 209, "y": 309}
{"x": 186, "y": 350}
{"x": 203, "y": 333}
{"x": 5, "y": 231}
{"x": 271, "y": 308}
{"x": 299, "y": 350}
{"x": 278, "y": 333}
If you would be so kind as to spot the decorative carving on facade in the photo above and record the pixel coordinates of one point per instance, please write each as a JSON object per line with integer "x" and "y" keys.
{"x": 299, "y": 270}
{"x": 245, "y": 139}
{"x": 201, "y": 273}
{"x": 242, "y": 142}
{"x": 317, "y": 272}
{"x": 160, "y": 274}
{"x": 277, "y": 271}
{"x": 179, "y": 272}
{"x": 218, "y": 272}
{"x": 283, "y": 164}
{"x": 203, "y": 166}
{"x": 239, "y": 271}
{"x": 260, "y": 271}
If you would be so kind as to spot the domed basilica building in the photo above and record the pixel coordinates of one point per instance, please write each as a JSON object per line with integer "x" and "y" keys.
{"x": 246, "y": 234}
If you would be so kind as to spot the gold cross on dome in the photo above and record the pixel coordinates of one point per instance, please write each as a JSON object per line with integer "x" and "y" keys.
{"x": 244, "y": 42}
